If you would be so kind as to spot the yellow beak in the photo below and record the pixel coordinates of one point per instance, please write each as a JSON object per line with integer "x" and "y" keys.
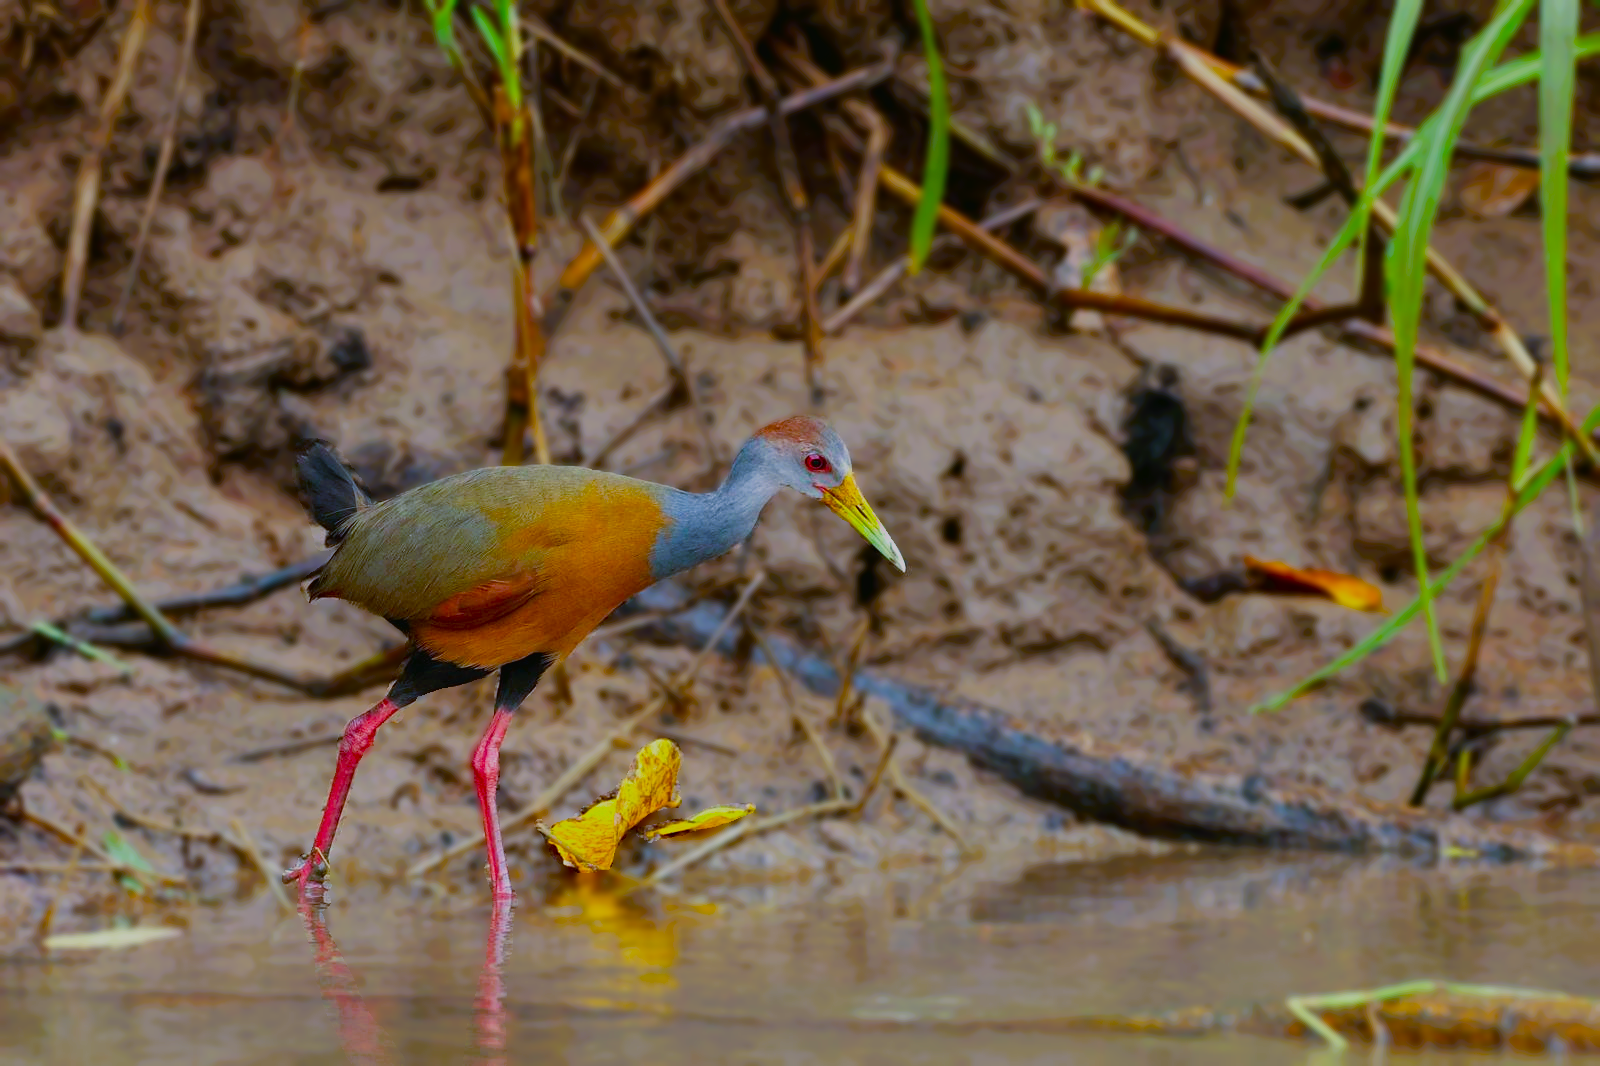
{"x": 847, "y": 502}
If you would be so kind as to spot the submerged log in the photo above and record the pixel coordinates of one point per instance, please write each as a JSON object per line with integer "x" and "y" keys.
{"x": 1133, "y": 790}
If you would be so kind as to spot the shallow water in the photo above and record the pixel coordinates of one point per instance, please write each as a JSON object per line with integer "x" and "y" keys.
{"x": 905, "y": 978}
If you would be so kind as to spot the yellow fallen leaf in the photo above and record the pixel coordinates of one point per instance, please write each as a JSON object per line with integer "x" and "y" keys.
{"x": 1342, "y": 589}
{"x": 110, "y": 939}
{"x": 1492, "y": 190}
{"x": 710, "y": 818}
{"x": 589, "y": 841}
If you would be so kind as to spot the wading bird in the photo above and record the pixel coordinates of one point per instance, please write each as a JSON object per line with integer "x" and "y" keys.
{"x": 509, "y": 568}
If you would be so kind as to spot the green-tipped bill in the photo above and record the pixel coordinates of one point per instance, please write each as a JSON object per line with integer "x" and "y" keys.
{"x": 846, "y": 501}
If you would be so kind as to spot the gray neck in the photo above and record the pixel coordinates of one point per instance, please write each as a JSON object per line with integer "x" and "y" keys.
{"x": 705, "y": 525}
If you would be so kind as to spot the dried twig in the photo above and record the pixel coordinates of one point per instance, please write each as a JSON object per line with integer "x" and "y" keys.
{"x": 884, "y": 737}
{"x": 1008, "y": 257}
{"x": 1313, "y": 311}
{"x": 162, "y": 635}
{"x": 847, "y": 670}
{"x": 794, "y": 189}
{"x": 1369, "y": 303}
{"x": 169, "y": 138}
{"x": 1193, "y": 62}
{"x": 621, "y": 221}
{"x": 274, "y": 879}
{"x": 801, "y": 720}
{"x": 1190, "y": 662}
{"x": 870, "y": 293}
{"x": 86, "y": 189}
{"x": 147, "y": 877}
{"x": 674, "y": 361}
{"x": 1438, "y": 752}
{"x": 1581, "y": 165}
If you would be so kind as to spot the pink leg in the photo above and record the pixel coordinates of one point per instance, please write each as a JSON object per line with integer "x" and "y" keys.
{"x": 486, "y": 776}
{"x": 353, "y": 745}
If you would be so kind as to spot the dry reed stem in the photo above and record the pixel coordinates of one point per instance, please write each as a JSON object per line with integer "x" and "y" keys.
{"x": 1149, "y": 221}
{"x": 49, "y": 914}
{"x": 147, "y": 877}
{"x": 520, "y": 188}
{"x": 536, "y": 27}
{"x": 65, "y": 868}
{"x": 883, "y": 736}
{"x": 1008, "y": 257}
{"x": 621, "y": 221}
{"x": 674, "y": 361}
{"x": 801, "y": 720}
{"x": 1193, "y": 62}
{"x": 885, "y": 279}
{"x": 1369, "y": 303}
{"x": 166, "y": 636}
{"x": 866, "y": 200}
{"x": 169, "y": 138}
{"x": 274, "y": 879}
{"x": 847, "y": 671}
{"x": 1581, "y": 165}
{"x": 794, "y": 189}
{"x": 86, "y": 188}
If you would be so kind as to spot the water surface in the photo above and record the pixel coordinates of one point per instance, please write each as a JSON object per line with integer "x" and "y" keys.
{"x": 909, "y": 977}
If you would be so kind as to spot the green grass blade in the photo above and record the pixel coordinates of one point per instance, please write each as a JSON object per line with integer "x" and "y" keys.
{"x": 936, "y": 167}
{"x": 1558, "y": 32}
{"x": 1396, "y": 46}
{"x": 1535, "y": 486}
{"x": 443, "y": 13}
{"x": 1407, "y": 265}
{"x": 1335, "y": 249}
{"x": 1507, "y": 76}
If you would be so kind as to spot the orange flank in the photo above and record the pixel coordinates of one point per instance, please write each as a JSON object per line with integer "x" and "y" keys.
{"x": 576, "y": 567}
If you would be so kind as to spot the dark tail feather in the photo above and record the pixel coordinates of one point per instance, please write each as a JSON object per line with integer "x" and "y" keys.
{"x": 330, "y": 490}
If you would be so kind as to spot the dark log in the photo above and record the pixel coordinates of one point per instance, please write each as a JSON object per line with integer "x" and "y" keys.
{"x": 1133, "y": 790}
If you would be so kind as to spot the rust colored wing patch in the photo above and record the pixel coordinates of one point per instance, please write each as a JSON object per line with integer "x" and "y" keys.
{"x": 487, "y": 603}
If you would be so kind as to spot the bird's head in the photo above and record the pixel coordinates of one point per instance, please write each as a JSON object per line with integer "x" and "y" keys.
{"x": 805, "y": 454}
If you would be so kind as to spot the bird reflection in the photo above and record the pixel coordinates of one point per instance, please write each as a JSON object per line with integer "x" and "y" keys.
{"x": 359, "y": 1033}
{"x": 491, "y": 1005}
{"x": 358, "y": 1029}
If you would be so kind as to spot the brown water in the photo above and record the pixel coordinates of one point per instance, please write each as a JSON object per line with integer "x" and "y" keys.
{"x": 594, "y": 978}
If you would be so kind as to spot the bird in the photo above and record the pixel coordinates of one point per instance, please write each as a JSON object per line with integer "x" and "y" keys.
{"x": 509, "y": 568}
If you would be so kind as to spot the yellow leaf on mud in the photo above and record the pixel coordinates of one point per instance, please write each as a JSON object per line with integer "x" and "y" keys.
{"x": 1494, "y": 191}
{"x": 1342, "y": 589}
{"x": 589, "y": 841}
{"x": 711, "y": 818}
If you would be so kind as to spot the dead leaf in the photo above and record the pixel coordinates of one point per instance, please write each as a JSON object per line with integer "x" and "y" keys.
{"x": 589, "y": 841}
{"x": 110, "y": 939}
{"x": 1342, "y": 589}
{"x": 1490, "y": 190}
{"x": 711, "y": 818}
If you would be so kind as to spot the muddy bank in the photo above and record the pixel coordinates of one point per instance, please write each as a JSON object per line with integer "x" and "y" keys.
{"x": 340, "y": 271}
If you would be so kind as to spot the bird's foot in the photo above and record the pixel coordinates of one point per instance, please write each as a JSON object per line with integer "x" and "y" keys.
{"x": 310, "y": 871}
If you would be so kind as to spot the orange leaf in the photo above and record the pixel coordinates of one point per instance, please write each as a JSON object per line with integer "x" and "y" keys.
{"x": 590, "y": 840}
{"x": 711, "y": 818}
{"x": 1494, "y": 191}
{"x": 1342, "y": 589}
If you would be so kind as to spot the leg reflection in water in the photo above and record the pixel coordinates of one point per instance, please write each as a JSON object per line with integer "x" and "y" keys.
{"x": 491, "y": 1005}
{"x": 359, "y": 1033}
{"x": 358, "y": 1029}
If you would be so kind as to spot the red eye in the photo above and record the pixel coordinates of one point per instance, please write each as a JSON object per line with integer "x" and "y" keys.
{"x": 818, "y": 464}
